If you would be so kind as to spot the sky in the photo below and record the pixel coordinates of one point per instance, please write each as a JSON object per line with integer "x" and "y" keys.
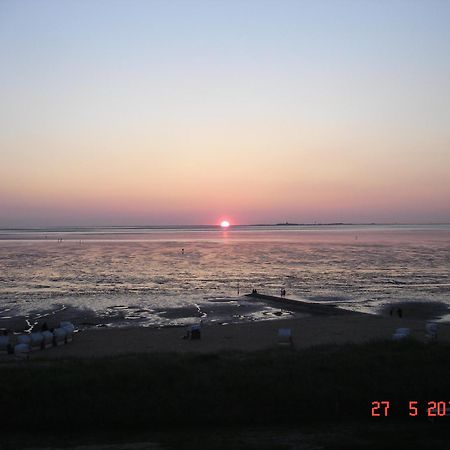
{"x": 188, "y": 112}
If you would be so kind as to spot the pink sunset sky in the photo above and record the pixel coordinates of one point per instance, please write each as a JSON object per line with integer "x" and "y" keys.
{"x": 121, "y": 113}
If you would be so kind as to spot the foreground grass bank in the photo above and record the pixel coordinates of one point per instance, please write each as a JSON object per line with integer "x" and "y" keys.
{"x": 276, "y": 387}
{"x": 351, "y": 435}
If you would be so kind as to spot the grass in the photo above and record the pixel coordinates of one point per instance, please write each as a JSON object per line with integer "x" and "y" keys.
{"x": 273, "y": 388}
{"x": 353, "y": 435}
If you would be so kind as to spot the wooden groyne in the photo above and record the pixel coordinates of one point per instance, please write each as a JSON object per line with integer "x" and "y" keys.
{"x": 316, "y": 309}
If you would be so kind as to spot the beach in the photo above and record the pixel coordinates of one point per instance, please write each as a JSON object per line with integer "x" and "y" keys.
{"x": 310, "y": 324}
{"x": 308, "y": 331}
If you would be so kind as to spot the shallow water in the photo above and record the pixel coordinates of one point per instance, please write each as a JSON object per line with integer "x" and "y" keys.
{"x": 140, "y": 276}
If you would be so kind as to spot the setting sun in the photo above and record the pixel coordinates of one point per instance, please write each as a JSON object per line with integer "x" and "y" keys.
{"x": 224, "y": 224}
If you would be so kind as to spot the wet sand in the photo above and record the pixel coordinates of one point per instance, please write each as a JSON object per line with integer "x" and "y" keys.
{"x": 224, "y": 311}
{"x": 417, "y": 310}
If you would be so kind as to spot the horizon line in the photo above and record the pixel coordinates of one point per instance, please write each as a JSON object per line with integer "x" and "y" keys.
{"x": 280, "y": 224}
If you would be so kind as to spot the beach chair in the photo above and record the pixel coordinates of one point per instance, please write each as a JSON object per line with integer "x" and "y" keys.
{"x": 59, "y": 336}
{"x": 37, "y": 341}
{"x": 5, "y": 343}
{"x": 196, "y": 332}
{"x": 70, "y": 328}
{"x": 24, "y": 339}
{"x": 431, "y": 331}
{"x": 47, "y": 341}
{"x": 285, "y": 337}
{"x": 401, "y": 333}
{"x": 22, "y": 351}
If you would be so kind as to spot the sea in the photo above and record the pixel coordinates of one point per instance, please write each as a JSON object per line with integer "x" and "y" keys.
{"x": 173, "y": 276}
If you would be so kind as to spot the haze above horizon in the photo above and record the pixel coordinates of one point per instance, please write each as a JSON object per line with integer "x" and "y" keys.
{"x": 171, "y": 112}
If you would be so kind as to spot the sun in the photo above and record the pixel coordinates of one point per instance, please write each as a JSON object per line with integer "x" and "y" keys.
{"x": 224, "y": 224}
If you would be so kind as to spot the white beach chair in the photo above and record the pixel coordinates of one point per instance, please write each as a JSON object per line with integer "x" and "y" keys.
{"x": 70, "y": 328}
{"x": 285, "y": 336}
{"x": 22, "y": 351}
{"x": 59, "y": 336}
{"x": 37, "y": 340}
{"x": 5, "y": 342}
{"x": 401, "y": 333}
{"x": 47, "y": 339}
{"x": 24, "y": 339}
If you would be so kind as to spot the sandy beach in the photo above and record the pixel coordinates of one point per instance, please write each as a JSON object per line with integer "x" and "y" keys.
{"x": 311, "y": 324}
{"x": 306, "y": 332}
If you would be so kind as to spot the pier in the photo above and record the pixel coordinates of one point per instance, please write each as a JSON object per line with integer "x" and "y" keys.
{"x": 313, "y": 308}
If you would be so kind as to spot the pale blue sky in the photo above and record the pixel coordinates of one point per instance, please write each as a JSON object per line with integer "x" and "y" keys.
{"x": 347, "y": 100}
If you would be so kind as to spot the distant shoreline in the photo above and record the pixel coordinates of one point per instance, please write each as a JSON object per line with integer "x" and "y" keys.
{"x": 69, "y": 228}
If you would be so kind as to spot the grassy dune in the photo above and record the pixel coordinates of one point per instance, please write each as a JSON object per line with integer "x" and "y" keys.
{"x": 277, "y": 387}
